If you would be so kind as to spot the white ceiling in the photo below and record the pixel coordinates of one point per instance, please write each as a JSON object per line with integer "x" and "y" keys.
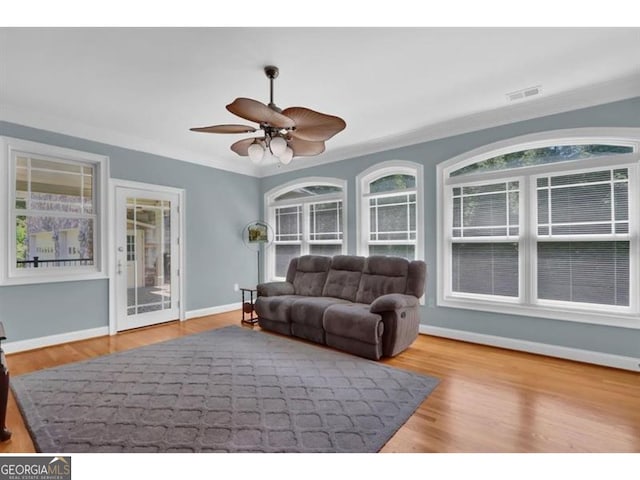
{"x": 143, "y": 88}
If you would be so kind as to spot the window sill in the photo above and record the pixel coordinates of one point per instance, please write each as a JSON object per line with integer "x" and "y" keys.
{"x": 625, "y": 320}
{"x": 53, "y": 278}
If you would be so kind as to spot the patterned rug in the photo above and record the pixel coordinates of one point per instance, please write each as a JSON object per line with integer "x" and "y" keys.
{"x": 225, "y": 390}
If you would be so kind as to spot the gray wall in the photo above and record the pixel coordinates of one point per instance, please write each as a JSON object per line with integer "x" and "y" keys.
{"x": 219, "y": 204}
{"x": 621, "y": 341}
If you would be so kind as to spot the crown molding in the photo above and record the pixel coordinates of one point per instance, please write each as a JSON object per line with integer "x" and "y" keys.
{"x": 598, "y": 94}
{"x": 605, "y": 92}
{"x": 33, "y": 119}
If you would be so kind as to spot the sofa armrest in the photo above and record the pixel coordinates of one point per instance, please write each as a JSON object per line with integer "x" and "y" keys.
{"x": 393, "y": 301}
{"x": 273, "y": 289}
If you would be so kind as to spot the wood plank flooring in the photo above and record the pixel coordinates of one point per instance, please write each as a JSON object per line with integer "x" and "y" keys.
{"x": 489, "y": 399}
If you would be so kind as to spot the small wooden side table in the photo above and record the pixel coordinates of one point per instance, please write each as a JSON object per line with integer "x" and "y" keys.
{"x": 248, "y": 308}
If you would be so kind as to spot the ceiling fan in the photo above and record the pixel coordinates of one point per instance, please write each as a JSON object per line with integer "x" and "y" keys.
{"x": 288, "y": 133}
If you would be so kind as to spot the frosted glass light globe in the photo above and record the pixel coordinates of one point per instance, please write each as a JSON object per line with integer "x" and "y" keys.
{"x": 286, "y": 156}
{"x": 256, "y": 153}
{"x": 278, "y": 146}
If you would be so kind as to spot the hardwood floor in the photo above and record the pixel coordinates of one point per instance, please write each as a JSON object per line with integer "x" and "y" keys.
{"x": 489, "y": 399}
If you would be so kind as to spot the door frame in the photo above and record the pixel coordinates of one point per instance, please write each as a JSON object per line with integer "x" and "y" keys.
{"x": 114, "y": 184}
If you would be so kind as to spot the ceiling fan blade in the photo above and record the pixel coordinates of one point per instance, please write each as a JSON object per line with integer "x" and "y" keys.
{"x": 313, "y": 126}
{"x": 258, "y": 112}
{"x": 304, "y": 148}
{"x": 224, "y": 129}
{"x": 241, "y": 147}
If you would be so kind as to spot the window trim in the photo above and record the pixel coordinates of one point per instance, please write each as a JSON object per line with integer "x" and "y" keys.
{"x": 557, "y": 310}
{"x": 379, "y": 170}
{"x": 270, "y": 204}
{"x": 8, "y": 148}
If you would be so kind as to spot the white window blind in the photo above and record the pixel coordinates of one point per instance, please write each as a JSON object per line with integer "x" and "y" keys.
{"x": 288, "y": 237}
{"x": 485, "y": 233}
{"x": 583, "y": 239}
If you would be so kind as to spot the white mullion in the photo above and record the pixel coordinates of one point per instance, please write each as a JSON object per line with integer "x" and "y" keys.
{"x": 138, "y": 253}
{"x": 506, "y": 205}
{"x": 486, "y": 239}
{"x": 634, "y": 243}
{"x": 28, "y": 183}
{"x": 82, "y": 189}
{"x": 313, "y": 227}
{"x": 303, "y": 215}
{"x": 613, "y": 204}
{"x": 162, "y": 245}
{"x": 408, "y": 210}
{"x": 53, "y": 213}
{"x": 549, "y": 209}
{"x": 462, "y": 226}
{"x": 391, "y": 193}
{"x": 529, "y": 241}
{"x": 603, "y": 237}
{"x": 447, "y": 234}
{"x": 338, "y": 222}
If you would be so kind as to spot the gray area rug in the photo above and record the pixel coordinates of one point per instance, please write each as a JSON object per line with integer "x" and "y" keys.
{"x": 225, "y": 390}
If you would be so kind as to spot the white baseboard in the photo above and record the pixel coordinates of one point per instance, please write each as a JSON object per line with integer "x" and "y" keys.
{"x": 203, "y": 312}
{"x": 576, "y": 354}
{"x": 32, "y": 343}
{"x": 40, "y": 342}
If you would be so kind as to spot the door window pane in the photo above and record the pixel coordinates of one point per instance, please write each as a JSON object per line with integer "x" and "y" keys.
{"x": 148, "y": 255}
{"x": 289, "y": 223}
{"x": 325, "y": 221}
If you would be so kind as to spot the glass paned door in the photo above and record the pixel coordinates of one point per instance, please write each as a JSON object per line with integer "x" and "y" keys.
{"x": 147, "y": 258}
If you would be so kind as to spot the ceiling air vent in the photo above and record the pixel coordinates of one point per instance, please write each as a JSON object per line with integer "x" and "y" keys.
{"x": 524, "y": 93}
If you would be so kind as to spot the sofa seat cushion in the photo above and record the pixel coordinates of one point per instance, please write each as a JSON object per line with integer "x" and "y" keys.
{"x": 276, "y": 309}
{"x": 355, "y": 321}
{"x": 309, "y": 311}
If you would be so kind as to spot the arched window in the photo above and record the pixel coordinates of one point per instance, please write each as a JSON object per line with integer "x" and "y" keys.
{"x": 308, "y": 217}
{"x": 390, "y": 210}
{"x": 544, "y": 225}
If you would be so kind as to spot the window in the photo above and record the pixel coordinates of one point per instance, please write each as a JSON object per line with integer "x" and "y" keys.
{"x": 544, "y": 230}
{"x": 53, "y": 213}
{"x": 390, "y": 213}
{"x": 308, "y": 219}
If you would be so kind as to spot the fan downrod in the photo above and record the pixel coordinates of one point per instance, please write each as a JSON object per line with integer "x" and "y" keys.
{"x": 272, "y": 72}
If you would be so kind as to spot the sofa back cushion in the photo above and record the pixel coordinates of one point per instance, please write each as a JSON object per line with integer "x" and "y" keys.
{"x": 344, "y": 276}
{"x": 308, "y": 274}
{"x": 416, "y": 278}
{"x": 382, "y": 275}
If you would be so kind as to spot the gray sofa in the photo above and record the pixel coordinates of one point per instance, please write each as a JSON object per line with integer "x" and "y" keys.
{"x": 365, "y": 306}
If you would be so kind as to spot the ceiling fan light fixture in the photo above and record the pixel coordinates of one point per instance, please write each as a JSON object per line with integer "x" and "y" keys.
{"x": 295, "y": 131}
{"x": 278, "y": 145}
{"x": 256, "y": 152}
{"x": 286, "y": 156}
